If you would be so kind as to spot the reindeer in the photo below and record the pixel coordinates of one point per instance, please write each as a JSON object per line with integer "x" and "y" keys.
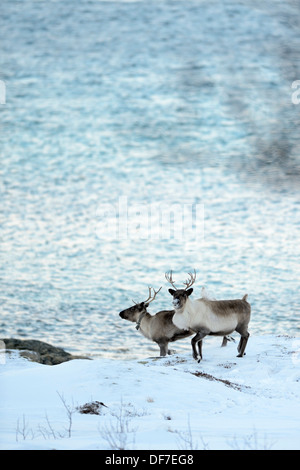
{"x": 159, "y": 327}
{"x": 209, "y": 317}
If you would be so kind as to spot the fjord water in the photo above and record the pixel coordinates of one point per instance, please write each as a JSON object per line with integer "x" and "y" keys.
{"x": 186, "y": 104}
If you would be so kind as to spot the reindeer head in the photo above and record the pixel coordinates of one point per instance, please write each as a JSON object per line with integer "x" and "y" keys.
{"x": 137, "y": 311}
{"x": 180, "y": 295}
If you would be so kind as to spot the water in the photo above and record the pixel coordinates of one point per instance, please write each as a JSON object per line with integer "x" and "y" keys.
{"x": 174, "y": 102}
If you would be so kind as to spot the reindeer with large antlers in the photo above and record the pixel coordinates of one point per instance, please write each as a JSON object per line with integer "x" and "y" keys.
{"x": 209, "y": 317}
{"x": 159, "y": 327}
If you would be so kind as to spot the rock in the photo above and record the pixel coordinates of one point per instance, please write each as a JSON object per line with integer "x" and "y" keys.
{"x": 92, "y": 408}
{"x": 33, "y": 356}
{"x": 38, "y": 351}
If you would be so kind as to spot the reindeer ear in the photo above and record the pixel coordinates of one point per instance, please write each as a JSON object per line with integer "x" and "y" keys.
{"x": 189, "y": 291}
{"x": 172, "y": 291}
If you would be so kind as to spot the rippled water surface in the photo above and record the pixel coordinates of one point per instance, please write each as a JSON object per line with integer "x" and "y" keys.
{"x": 174, "y": 104}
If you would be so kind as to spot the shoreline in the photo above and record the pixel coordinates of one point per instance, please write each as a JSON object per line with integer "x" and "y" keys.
{"x": 39, "y": 351}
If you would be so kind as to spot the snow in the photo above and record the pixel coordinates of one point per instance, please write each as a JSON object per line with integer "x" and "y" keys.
{"x": 168, "y": 403}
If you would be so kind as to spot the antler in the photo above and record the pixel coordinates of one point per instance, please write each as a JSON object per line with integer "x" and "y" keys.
{"x": 149, "y": 295}
{"x": 189, "y": 282}
{"x": 155, "y": 293}
{"x": 152, "y": 297}
{"x": 169, "y": 278}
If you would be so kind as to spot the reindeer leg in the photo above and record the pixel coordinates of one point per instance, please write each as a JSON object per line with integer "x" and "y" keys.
{"x": 194, "y": 342}
{"x": 200, "y": 350}
{"x": 226, "y": 339}
{"x": 242, "y": 345}
{"x": 198, "y": 340}
{"x": 163, "y": 348}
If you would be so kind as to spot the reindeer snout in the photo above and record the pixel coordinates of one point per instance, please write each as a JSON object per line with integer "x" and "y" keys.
{"x": 122, "y": 315}
{"x": 176, "y": 303}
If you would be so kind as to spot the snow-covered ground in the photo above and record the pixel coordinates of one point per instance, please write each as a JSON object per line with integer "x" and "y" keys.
{"x": 171, "y": 403}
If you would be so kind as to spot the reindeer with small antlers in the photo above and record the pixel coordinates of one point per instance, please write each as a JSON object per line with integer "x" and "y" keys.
{"x": 209, "y": 317}
{"x": 159, "y": 327}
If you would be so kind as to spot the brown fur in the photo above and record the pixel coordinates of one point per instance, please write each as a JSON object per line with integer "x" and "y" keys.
{"x": 158, "y": 328}
{"x": 220, "y": 308}
{"x": 227, "y": 307}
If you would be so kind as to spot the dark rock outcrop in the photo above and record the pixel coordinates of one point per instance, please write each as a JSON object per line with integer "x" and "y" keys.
{"x": 38, "y": 351}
